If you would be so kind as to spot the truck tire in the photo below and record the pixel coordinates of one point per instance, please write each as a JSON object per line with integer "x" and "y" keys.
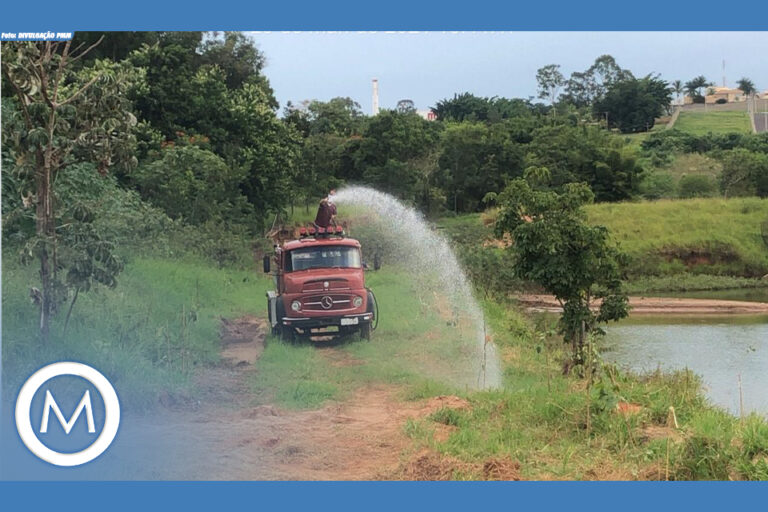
{"x": 286, "y": 333}
{"x": 276, "y": 327}
{"x": 365, "y": 331}
{"x": 280, "y": 311}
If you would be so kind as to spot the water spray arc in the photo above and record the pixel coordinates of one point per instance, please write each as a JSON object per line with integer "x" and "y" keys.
{"x": 431, "y": 257}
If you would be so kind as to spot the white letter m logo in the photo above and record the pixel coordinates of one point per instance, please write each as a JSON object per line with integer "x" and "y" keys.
{"x": 50, "y": 403}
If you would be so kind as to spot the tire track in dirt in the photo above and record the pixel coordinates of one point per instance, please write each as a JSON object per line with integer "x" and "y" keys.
{"x": 222, "y": 436}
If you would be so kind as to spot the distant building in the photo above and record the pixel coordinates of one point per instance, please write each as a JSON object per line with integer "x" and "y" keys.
{"x": 427, "y": 114}
{"x": 725, "y": 93}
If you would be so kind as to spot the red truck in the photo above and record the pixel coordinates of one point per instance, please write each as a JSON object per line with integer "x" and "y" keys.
{"x": 320, "y": 286}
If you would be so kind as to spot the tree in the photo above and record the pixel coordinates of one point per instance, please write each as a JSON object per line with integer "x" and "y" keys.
{"x": 693, "y": 88}
{"x": 586, "y": 154}
{"x": 744, "y": 173}
{"x": 747, "y": 86}
{"x": 462, "y": 107}
{"x": 170, "y": 66}
{"x": 114, "y": 45}
{"x": 549, "y": 80}
{"x": 265, "y": 148}
{"x": 468, "y": 107}
{"x": 193, "y": 184}
{"x": 633, "y": 105}
{"x": 236, "y": 55}
{"x": 394, "y": 177}
{"x": 298, "y": 117}
{"x": 339, "y": 116}
{"x": 556, "y": 248}
{"x": 677, "y": 88}
{"x": 477, "y": 159}
{"x": 585, "y": 88}
{"x": 64, "y": 117}
{"x": 320, "y": 165}
{"x": 395, "y": 136}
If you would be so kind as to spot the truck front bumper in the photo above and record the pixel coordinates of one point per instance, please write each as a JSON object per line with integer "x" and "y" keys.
{"x": 316, "y": 322}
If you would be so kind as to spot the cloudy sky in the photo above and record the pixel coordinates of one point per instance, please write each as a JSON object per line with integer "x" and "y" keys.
{"x": 429, "y": 66}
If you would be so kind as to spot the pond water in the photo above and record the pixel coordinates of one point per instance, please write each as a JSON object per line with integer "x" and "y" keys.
{"x": 719, "y": 349}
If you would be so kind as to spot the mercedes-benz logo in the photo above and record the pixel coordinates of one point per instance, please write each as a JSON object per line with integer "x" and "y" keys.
{"x": 326, "y": 302}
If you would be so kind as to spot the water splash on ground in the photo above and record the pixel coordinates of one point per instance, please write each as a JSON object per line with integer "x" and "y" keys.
{"x": 435, "y": 267}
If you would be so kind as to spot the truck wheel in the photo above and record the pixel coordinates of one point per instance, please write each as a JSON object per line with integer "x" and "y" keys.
{"x": 277, "y": 330}
{"x": 365, "y": 331}
{"x": 287, "y": 334}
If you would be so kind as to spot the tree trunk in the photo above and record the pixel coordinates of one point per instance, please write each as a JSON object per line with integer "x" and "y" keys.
{"x": 46, "y": 232}
{"x": 69, "y": 312}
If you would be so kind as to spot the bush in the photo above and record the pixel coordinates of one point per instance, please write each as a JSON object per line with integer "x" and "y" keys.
{"x": 696, "y": 186}
{"x": 683, "y": 142}
{"x": 193, "y": 185}
{"x": 744, "y": 173}
{"x": 657, "y": 185}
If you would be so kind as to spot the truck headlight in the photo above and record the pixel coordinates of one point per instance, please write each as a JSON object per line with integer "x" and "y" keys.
{"x": 357, "y": 302}
{"x": 296, "y": 305}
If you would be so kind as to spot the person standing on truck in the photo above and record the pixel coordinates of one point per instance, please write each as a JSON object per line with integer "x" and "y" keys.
{"x": 326, "y": 212}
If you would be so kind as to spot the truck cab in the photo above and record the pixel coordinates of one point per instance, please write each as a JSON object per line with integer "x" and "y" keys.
{"x": 319, "y": 286}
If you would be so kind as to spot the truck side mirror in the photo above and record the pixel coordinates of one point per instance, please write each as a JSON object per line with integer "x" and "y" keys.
{"x": 266, "y": 263}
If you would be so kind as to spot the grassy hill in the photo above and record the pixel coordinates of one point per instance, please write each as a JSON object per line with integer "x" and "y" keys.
{"x": 712, "y": 236}
{"x": 701, "y": 123}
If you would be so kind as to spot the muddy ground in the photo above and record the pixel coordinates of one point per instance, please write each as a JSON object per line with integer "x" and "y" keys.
{"x": 659, "y": 306}
{"x": 222, "y": 435}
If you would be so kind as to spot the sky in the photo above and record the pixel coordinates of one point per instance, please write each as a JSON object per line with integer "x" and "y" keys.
{"x": 429, "y": 66}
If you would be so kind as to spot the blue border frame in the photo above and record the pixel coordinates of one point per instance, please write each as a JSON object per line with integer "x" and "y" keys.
{"x": 595, "y": 15}
{"x": 599, "y": 15}
{"x": 389, "y": 496}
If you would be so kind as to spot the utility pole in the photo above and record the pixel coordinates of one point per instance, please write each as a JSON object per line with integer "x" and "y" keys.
{"x": 375, "y": 99}
{"x": 724, "y": 73}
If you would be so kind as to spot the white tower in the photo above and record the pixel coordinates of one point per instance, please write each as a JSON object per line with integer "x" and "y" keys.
{"x": 375, "y": 103}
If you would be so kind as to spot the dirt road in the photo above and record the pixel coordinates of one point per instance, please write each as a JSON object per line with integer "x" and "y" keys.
{"x": 222, "y": 435}
{"x": 660, "y": 306}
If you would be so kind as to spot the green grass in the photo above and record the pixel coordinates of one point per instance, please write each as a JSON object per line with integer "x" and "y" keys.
{"x": 558, "y": 428}
{"x": 636, "y": 139}
{"x": 148, "y": 334}
{"x": 692, "y": 283}
{"x": 413, "y": 348}
{"x": 161, "y": 323}
{"x": 712, "y": 236}
{"x": 674, "y": 245}
{"x": 690, "y": 164}
{"x": 701, "y": 123}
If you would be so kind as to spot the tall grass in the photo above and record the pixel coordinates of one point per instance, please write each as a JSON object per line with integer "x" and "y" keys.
{"x": 558, "y": 427}
{"x": 715, "y": 236}
{"x": 701, "y": 123}
{"x": 147, "y": 335}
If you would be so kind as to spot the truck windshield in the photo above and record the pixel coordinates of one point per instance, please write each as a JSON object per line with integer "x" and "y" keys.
{"x": 322, "y": 257}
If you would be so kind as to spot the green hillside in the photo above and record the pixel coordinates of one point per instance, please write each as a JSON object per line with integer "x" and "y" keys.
{"x": 701, "y": 123}
{"x": 702, "y": 235}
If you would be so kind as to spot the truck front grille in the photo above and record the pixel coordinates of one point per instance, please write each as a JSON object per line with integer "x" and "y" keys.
{"x": 327, "y": 302}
